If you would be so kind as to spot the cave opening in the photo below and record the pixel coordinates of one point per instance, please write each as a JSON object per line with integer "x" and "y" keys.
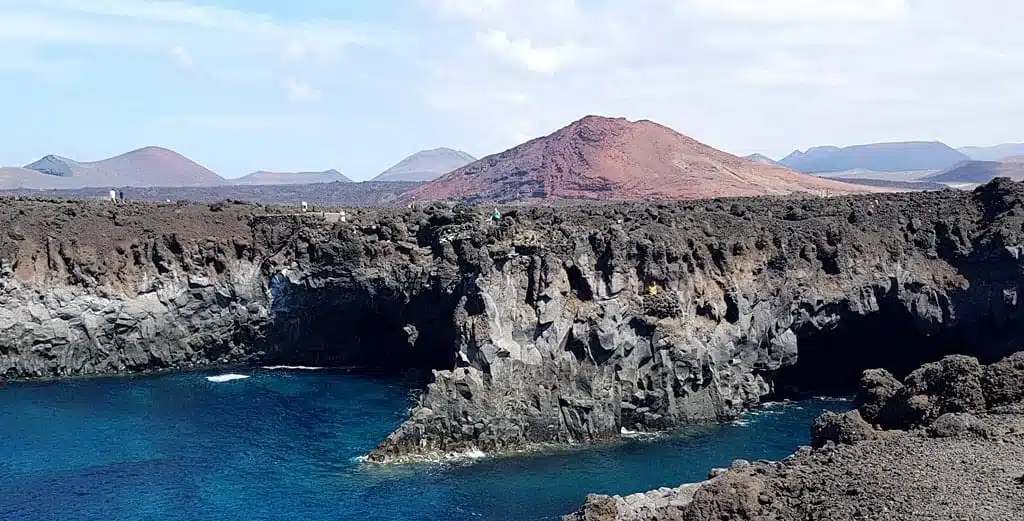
{"x": 830, "y": 360}
{"x": 382, "y": 329}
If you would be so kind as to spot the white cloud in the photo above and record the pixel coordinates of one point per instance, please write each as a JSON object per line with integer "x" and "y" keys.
{"x": 154, "y": 26}
{"x": 182, "y": 57}
{"x": 776, "y": 11}
{"x": 299, "y": 91}
{"x": 746, "y": 75}
{"x": 524, "y": 53}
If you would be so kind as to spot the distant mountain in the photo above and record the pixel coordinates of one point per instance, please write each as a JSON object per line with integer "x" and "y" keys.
{"x": 971, "y": 172}
{"x": 617, "y": 159}
{"x": 426, "y": 165}
{"x": 759, "y": 158}
{"x": 16, "y": 177}
{"x": 291, "y": 178}
{"x": 149, "y": 166}
{"x": 877, "y": 157}
{"x": 994, "y": 153}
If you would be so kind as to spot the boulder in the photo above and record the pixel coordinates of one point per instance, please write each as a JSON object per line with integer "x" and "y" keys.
{"x": 1003, "y": 381}
{"x": 734, "y": 495}
{"x": 877, "y": 388}
{"x": 953, "y": 384}
{"x": 847, "y": 428}
{"x": 958, "y": 424}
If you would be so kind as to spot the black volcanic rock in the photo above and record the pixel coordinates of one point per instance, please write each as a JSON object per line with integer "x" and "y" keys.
{"x": 878, "y": 157}
{"x": 560, "y": 324}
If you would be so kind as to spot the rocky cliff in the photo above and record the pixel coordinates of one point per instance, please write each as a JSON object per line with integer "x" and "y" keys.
{"x": 945, "y": 443}
{"x": 552, "y": 325}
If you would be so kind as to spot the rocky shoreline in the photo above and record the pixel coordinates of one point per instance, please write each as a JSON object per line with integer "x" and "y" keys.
{"x": 948, "y": 444}
{"x": 553, "y": 325}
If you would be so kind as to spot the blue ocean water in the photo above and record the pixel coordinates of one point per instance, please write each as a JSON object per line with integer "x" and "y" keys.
{"x": 283, "y": 445}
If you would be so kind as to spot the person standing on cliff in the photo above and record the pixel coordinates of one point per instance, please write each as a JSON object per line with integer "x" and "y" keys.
{"x": 496, "y": 216}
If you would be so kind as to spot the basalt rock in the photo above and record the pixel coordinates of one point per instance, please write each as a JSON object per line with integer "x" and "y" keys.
{"x": 960, "y": 466}
{"x": 558, "y": 324}
{"x": 1003, "y": 382}
{"x": 951, "y": 385}
{"x": 846, "y": 428}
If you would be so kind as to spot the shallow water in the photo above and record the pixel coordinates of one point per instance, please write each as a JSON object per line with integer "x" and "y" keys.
{"x": 284, "y": 445}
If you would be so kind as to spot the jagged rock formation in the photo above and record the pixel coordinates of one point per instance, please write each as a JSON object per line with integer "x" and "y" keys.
{"x": 957, "y": 465}
{"x": 554, "y": 325}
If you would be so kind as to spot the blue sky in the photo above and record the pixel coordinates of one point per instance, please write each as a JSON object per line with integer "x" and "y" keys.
{"x": 242, "y": 85}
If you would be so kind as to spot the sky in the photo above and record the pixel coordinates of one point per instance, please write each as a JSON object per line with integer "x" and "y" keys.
{"x": 356, "y": 85}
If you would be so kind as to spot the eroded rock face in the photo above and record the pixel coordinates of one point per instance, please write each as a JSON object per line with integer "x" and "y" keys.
{"x": 683, "y": 315}
{"x": 87, "y": 288}
{"x": 554, "y": 325}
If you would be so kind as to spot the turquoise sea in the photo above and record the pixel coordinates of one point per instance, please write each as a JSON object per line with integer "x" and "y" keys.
{"x": 286, "y": 445}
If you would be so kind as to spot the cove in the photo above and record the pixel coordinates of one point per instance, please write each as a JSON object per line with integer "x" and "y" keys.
{"x": 285, "y": 445}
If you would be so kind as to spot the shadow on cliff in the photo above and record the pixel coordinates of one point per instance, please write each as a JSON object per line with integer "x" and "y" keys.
{"x": 345, "y": 325}
{"x": 915, "y": 324}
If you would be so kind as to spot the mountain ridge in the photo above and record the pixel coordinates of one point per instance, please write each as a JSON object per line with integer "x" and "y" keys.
{"x": 146, "y": 166}
{"x": 267, "y": 177}
{"x": 895, "y": 156}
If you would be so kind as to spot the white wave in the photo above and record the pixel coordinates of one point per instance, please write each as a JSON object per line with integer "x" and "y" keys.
{"x": 360, "y": 459}
{"x": 473, "y": 453}
{"x": 227, "y": 377}
{"x": 834, "y": 398}
{"x": 291, "y": 368}
{"x": 626, "y": 433}
{"x": 741, "y": 422}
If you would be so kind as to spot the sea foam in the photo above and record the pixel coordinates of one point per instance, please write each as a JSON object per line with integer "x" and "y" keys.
{"x": 291, "y": 368}
{"x": 227, "y": 377}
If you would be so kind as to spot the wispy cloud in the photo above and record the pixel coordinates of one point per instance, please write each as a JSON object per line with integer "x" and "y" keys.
{"x": 234, "y": 122}
{"x": 182, "y": 57}
{"x": 299, "y": 91}
{"x": 155, "y": 26}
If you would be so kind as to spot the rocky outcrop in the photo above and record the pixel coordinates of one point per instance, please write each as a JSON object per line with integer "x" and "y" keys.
{"x": 552, "y": 325}
{"x": 663, "y": 503}
{"x": 848, "y": 427}
{"x": 652, "y": 317}
{"x": 87, "y": 289}
{"x": 960, "y": 465}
